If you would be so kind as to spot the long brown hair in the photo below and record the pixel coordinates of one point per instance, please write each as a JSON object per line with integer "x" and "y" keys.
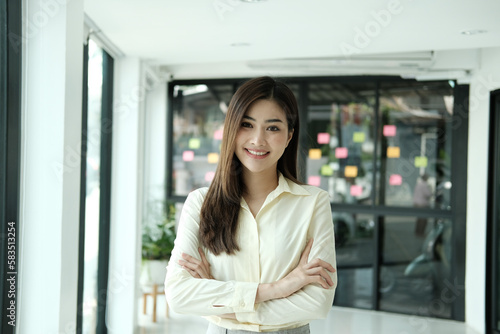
{"x": 219, "y": 212}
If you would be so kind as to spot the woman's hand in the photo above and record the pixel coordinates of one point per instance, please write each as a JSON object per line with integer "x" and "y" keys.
{"x": 197, "y": 268}
{"x": 314, "y": 272}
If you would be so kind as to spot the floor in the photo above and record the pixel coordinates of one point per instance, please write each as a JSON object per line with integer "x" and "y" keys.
{"x": 339, "y": 321}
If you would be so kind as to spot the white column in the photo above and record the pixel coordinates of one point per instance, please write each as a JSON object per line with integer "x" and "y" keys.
{"x": 483, "y": 82}
{"x": 126, "y": 196}
{"x": 50, "y": 176}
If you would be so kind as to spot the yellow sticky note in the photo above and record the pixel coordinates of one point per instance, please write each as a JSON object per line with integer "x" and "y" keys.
{"x": 326, "y": 170}
{"x": 358, "y": 137}
{"x": 351, "y": 171}
{"x": 213, "y": 158}
{"x": 393, "y": 152}
{"x": 420, "y": 161}
{"x": 194, "y": 143}
{"x": 314, "y": 154}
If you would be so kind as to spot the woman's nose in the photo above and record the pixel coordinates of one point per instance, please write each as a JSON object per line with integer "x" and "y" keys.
{"x": 258, "y": 137}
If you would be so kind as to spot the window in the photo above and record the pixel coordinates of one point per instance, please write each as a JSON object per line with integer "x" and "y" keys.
{"x": 387, "y": 150}
{"x": 95, "y": 188}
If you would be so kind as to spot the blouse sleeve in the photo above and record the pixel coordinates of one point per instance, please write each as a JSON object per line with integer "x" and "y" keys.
{"x": 312, "y": 301}
{"x": 203, "y": 297}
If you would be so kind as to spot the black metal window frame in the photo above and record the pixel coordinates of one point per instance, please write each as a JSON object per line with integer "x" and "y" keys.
{"x": 493, "y": 242}
{"x": 105, "y": 191}
{"x": 458, "y": 176}
{"x": 10, "y": 157}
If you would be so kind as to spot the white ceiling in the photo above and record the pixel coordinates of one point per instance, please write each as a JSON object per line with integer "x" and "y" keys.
{"x": 198, "y": 34}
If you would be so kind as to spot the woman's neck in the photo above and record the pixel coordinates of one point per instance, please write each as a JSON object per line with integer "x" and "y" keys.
{"x": 258, "y": 186}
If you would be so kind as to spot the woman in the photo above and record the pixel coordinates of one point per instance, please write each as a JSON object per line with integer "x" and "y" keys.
{"x": 255, "y": 251}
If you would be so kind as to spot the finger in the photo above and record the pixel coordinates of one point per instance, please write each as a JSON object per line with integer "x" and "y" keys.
{"x": 203, "y": 258}
{"x": 305, "y": 254}
{"x": 189, "y": 258}
{"x": 320, "y": 263}
{"x": 321, "y": 273}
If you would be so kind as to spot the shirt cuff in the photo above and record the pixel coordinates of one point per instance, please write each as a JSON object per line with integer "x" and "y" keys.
{"x": 244, "y": 297}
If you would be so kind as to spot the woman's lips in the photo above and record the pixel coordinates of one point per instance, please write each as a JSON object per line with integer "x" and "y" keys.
{"x": 256, "y": 154}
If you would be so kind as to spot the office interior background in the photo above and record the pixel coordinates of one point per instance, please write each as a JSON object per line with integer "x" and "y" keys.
{"x": 109, "y": 106}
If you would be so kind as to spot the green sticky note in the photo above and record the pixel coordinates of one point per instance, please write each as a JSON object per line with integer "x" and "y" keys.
{"x": 326, "y": 170}
{"x": 194, "y": 143}
{"x": 358, "y": 137}
{"x": 420, "y": 161}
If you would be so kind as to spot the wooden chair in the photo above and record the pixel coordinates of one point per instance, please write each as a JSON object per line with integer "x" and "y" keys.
{"x": 157, "y": 291}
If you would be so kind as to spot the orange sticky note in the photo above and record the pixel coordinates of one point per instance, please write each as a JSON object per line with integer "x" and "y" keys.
{"x": 351, "y": 171}
{"x": 213, "y": 158}
{"x": 393, "y": 152}
{"x": 314, "y": 154}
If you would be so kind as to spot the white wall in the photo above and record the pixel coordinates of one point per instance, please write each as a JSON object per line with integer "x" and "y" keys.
{"x": 486, "y": 79}
{"x": 50, "y": 176}
{"x": 126, "y": 196}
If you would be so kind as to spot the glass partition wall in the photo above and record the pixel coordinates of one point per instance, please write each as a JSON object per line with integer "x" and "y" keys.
{"x": 382, "y": 147}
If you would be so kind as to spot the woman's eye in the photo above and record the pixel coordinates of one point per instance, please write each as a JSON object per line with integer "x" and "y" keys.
{"x": 246, "y": 125}
{"x": 273, "y": 128}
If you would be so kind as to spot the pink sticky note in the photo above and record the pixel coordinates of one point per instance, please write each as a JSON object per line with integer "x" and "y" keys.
{"x": 314, "y": 181}
{"x": 209, "y": 176}
{"x": 341, "y": 152}
{"x": 323, "y": 138}
{"x": 356, "y": 190}
{"x": 218, "y": 134}
{"x": 389, "y": 130}
{"x": 188, "y": 155}
{"x": 395, "y": 180}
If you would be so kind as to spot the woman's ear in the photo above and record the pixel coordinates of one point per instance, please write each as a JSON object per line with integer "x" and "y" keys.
{"x": 290, "y": 136}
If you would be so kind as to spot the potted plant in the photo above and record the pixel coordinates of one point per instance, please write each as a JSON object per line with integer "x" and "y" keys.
{"x": 158, "y": 236}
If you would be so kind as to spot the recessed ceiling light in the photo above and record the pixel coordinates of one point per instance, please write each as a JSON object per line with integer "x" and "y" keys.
{"x": 237, "y": 45}
{"x": 473, "y": 32}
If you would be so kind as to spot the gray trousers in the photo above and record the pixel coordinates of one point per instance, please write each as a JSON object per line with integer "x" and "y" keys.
{"x": 214, "y": 329}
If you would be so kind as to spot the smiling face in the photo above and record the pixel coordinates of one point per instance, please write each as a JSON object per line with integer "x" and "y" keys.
{"x": 262, "y": 137}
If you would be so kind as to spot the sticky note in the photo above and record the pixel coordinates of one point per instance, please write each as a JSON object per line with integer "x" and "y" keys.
{"x": 314, "y": 154}
{"x": 194, "y": 143}
{"x": 393, "y": 152}
{"x": 218, "y": 134}
{"x": 323, "y": 138}
{"x": 395, "y": 180}
{"x": 356, "y": 190}
{"x": 326, "y": 170}
{"x": 351, "y": 171}
{"x": 420, "y": 161}
{"x": 314, "y": 180}
{"x": 341, "y": 152}
{"x": 188, "y": 155}
{"x": 358, "y": 137}
{"x": 209, "y": 176}
{"x": 389, "y": 130}
{"x": 213, "y": 158}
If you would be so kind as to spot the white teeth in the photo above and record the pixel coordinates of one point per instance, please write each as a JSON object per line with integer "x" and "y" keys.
{"x": 257, "y": 153}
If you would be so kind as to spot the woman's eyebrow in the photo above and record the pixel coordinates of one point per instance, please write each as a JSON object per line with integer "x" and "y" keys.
{"x": 272, "y": 120}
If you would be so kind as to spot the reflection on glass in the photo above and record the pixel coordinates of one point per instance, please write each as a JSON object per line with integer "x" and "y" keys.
{"x": 90, "y": 294}
{"x": 341, "y": 148}
{"x": 415, "y": 272}
{"x": 199, "y": 113}
{"x": 354, "y": 288}
{"x": 415, "y": 135}
{"x": 354, "y": 247}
